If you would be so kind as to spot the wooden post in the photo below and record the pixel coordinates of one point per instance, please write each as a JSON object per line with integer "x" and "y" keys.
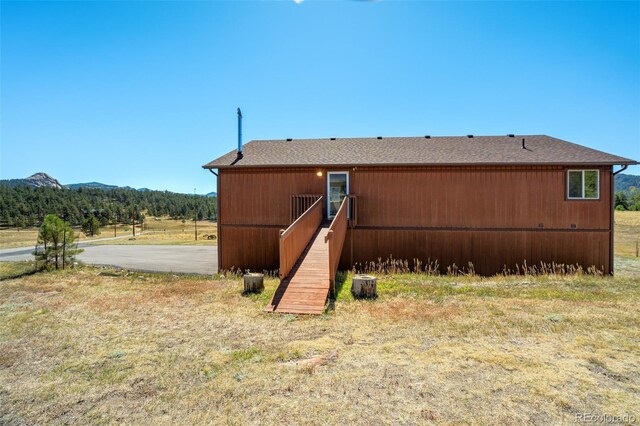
{"x": 637, "y": 249}
{"x": 64, "y": 246}
{"x": 364, "y": 286}
{"x": 253, "y": 283}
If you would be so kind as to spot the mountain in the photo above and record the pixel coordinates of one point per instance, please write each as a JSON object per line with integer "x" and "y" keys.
{"x": 624, "y": 183}
{"x": 91, "y": 185}
{"x": 43, "y": 179}
{"x": 34, "y": 181}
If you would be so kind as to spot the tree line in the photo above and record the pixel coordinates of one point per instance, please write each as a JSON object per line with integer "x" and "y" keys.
{"x": 25, "y": 206}
{"x": 628, "y": 200}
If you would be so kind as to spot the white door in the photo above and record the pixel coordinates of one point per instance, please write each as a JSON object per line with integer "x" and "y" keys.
{"x": 337, "y": 189}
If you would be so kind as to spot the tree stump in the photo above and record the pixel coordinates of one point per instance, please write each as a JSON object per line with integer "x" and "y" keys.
{"x": 253, "y": 283}
{"x": 364, "y": 287}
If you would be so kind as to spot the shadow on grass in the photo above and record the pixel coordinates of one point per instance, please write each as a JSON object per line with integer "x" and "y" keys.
{"x": 341, "y": 278}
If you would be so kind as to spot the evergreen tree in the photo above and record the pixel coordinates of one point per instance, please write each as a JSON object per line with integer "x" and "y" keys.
{"x": 91, "y": 226}
{"x": 55, "y": 243}
{"x": 622, "y": 201}
{"x": 25, "y": 206}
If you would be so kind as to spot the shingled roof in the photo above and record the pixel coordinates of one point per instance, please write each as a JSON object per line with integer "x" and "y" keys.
{"x": 441, "y": 150}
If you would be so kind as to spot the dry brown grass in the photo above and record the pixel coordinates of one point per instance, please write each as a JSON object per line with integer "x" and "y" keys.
{"x": 157, "y": 231}
{"x": 11, "y": 238}
{"x": 76, "y": 347}
{"x": 627, "y": 233}
{"x": 168, "y": 231}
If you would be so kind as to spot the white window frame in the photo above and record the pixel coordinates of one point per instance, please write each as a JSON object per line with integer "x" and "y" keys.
{"x": 582, "y": 172}
{"x": 328, "y": 181}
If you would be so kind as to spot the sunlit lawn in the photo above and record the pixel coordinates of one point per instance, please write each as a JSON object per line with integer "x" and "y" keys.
{"x": 103, "y": 346}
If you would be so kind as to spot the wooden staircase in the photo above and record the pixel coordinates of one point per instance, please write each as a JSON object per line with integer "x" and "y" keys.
{"x": 305, "y": 289}
{"x": 309, "y": 256}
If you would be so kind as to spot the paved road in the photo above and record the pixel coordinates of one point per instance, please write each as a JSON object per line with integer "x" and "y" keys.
{"x": 155, "y": 258}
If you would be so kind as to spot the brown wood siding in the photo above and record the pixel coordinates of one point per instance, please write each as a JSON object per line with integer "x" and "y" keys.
{"x": 475, "y": 199}
{"x": 264, "y": 197}
{"x": 451, "y": 214}
{"x": 488, "y": 251}
{"x": 253, "y": 248}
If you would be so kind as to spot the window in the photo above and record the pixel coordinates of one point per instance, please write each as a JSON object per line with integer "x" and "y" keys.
{"x": 583, "y": 184}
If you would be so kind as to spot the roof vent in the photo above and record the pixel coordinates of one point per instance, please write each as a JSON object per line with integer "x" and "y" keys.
{"x": 289, "y": 139}
{"x": 469, "y": 136}
{"x": 511, "y": 135}
{"x": 239, "y": 134}
{"x": 379, "y": 137}
{"x": 333, "y": 139}
{"x": 427, "y": 136}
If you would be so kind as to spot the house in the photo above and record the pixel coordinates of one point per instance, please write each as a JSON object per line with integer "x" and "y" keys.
{"x": 491, "y": 201}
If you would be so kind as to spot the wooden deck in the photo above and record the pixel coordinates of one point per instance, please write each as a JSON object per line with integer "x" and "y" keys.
{"x": 305, "y": 289}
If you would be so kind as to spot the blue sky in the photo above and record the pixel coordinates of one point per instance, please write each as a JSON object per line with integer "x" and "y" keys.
{"x": 144, "y": 93}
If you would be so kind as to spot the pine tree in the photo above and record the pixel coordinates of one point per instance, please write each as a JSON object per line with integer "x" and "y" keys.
{"x": 91, "y": 226}
{"x": 55, "y": 243}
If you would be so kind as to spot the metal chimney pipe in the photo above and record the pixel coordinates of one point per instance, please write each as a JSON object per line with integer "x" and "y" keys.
{"x": 523, "y": 146}
{"x": 239, "y": 133}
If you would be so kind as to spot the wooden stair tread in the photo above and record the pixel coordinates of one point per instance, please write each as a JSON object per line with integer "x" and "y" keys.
{"x": 306, "y": 288}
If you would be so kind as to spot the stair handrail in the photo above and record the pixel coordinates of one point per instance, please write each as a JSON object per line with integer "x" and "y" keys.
{"x": 335, "y": 238}
{"x": 296, "y": 237}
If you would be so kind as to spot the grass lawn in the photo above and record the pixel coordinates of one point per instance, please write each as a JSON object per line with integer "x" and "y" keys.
{"x": 95, "y": 346}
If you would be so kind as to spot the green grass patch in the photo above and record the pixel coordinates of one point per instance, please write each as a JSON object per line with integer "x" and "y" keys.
{"x": 250, "y": 354}
{"x": 12, "y": 270}
{"x": 578, "y": 288}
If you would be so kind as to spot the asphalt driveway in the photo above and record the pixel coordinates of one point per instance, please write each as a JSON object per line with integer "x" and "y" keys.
{"x": 153, "y": 258}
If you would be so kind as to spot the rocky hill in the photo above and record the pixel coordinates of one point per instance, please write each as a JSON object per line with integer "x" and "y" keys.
{"x": 37, "y": 180}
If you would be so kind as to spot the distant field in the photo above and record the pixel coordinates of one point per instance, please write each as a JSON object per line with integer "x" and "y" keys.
{"x": 10, "y": 238}
{"x": 627, "y": 233}
{"x": 168, "y": 231}
{"x": 158, "y": 231}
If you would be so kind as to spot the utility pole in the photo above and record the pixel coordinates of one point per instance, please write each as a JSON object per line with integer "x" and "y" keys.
{"x": 64, "y": 245}
{"x": 115, "y": 218}
{"x": 195, "y": 214}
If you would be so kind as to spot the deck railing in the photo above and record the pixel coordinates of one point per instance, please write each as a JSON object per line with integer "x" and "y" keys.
{"x": 335, "y": 239}
{"x": 300, "y": 203}
{"x": 296, "y": 237}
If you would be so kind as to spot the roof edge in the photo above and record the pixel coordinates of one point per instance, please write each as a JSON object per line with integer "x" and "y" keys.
{"x": 271, "y": 166}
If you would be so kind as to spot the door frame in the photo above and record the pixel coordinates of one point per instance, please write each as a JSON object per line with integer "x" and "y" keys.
{"x": 329, "y": 180}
